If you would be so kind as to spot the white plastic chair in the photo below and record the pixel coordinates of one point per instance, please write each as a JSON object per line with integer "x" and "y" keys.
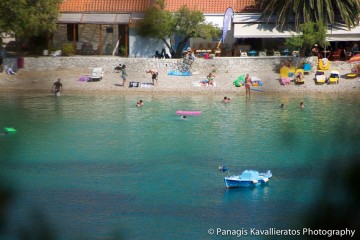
{"x": 97, "y": 74}
{"x": 262, "y": 54}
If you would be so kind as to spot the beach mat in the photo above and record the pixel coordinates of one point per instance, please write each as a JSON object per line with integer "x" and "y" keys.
{"x": 133, "y": 84}
{"x": 178, "y": 73}
{"x": 84, "y": 79}
{"x": 146, "y": 85}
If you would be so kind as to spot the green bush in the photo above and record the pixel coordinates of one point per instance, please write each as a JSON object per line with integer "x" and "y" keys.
{"x": 68, "y": 49}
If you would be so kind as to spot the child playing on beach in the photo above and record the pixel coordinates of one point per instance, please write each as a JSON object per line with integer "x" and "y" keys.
{"x": 123, "y": 74}
{"x": 154, "y": 75}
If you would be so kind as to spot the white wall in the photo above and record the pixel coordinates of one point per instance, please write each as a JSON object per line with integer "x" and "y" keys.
{"x": 140, "y": 47}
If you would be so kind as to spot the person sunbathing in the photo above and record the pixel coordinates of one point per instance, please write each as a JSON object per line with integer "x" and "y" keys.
{"x": 210, "y": 77}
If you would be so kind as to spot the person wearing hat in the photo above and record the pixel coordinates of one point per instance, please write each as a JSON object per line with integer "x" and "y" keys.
{"x": 123, "y": 74}
{"x": 315, "y": 50}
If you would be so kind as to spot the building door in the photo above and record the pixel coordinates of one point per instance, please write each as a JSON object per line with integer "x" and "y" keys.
{"x": 123, "y": 40}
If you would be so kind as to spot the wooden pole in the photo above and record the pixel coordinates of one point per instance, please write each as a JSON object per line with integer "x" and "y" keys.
{"x": 100, "y": 42}
{"x": 74, "y": 36}
{"x": 127, "y": 39}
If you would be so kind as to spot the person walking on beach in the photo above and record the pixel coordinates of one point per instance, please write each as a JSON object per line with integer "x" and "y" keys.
{"x": 247, "y": 84}
{"x": 154, "y": 75}
{"x": 123, "y": 74}
{"x": 57, "y": 87}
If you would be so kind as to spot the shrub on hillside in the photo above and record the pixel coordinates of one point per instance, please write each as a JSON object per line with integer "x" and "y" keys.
{"x": 68, "y": 49}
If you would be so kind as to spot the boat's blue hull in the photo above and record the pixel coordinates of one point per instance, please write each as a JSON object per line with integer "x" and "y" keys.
{"x": 237, "y": 184}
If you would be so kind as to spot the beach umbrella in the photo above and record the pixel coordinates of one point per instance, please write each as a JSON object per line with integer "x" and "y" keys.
{"x": 354, "y": 58}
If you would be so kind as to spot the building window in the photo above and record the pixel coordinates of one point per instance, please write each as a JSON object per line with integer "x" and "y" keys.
{"x": 70, "y": 32}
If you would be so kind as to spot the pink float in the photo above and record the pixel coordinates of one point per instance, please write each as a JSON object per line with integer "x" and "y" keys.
{"x": 181, "y": 112}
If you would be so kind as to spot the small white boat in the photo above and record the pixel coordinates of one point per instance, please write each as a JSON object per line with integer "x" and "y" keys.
{"x": 248, "y": 178}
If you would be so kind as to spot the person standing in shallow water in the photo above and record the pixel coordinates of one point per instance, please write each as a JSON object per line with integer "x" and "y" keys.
{"x": 57, "y": 87}
{"x": 247, "y": 84}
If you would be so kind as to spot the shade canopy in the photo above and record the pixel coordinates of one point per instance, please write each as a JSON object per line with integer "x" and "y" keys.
{"x": 257, "y": 30}
{"x": 94, "y": 18}
{"x": 342, "y": 33}
{"x": 336, "y": 32}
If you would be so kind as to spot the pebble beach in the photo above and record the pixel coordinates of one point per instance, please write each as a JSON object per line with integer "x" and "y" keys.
{"x": 40, "y": 81}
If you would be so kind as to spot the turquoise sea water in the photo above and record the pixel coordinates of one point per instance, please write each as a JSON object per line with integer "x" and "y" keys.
{"x": 97, "y": 166}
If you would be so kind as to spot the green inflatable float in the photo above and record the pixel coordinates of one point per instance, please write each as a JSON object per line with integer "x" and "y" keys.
{"x": 9, "y": 130}
{"x": 240, "y": 81}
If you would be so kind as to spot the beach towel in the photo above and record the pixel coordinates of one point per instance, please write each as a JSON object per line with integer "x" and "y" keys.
{"x": 133, "y": 84}
{"x": 84, "y": 78}
{"x": 146, "y": 85}
{"x": 178, "y": 73}
{"x": 203, "y": 84}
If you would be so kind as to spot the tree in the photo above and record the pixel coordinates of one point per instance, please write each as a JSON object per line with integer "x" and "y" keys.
{"x": 311, "y": 34}
{"x": 300, "y": 11}
{"x": 162, "y": 24}
{"x": 26, "y": 18}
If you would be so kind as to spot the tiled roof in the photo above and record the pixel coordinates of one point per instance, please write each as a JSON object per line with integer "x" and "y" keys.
{"x": 105, "y": 6}
{"x": 212, "y": 6}
{"x": 116, "y": 6}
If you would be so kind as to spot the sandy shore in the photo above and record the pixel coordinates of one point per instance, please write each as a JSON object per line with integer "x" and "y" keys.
{"x": 41, "y": 82}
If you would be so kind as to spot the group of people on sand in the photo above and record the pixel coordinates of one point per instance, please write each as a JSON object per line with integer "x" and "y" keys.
{"x": 122, "y": 68}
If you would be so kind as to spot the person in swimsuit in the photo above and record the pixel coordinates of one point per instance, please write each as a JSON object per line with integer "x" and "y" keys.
{"x": 57, "y": 87}
{"x": 247, "y": 84}
{"x": 210, "y": 79}
{"x": 140, "y": 103}
{"x": 154, "y": 75}
{"x": 123, "y": 74}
